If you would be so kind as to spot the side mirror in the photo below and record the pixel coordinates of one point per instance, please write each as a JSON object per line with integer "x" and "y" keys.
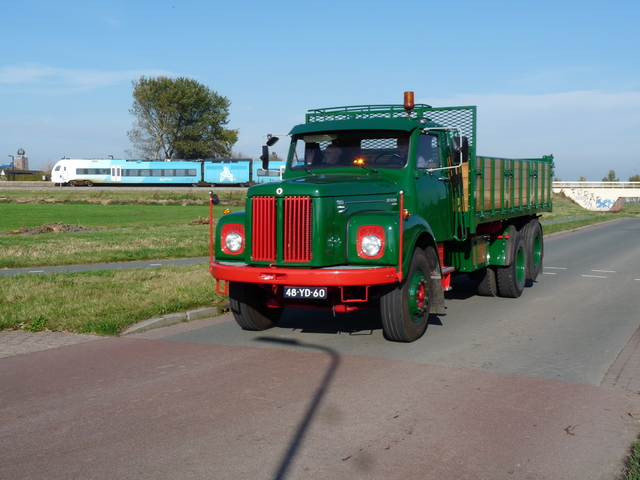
{"x": 265, "y": 157}
{"x": 459, "y": 150}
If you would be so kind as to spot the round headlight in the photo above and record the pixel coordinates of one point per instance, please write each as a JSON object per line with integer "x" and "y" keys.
{"x": 233, "y": 242}
{"x": 371, "y": 245}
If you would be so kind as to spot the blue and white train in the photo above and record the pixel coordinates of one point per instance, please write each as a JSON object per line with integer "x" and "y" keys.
{"x": 209, "y": 172}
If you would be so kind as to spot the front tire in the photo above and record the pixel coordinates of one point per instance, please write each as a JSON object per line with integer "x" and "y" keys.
{"x": 405, "y": 309}
{"x": 248, "y": 304}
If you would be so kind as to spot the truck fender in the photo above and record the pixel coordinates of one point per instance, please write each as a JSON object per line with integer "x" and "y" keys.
{"x": 418, "y": 234}
{"x": 500, "y": 247}
{"x": 510, "y": 233}
{"x": 415, "y": 228}
{"x": 389, "y": 223}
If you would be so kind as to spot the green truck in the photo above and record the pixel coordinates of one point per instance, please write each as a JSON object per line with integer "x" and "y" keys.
{"x": 379, "y": 207}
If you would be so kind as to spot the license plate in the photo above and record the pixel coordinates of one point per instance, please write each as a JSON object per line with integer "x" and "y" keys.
{"x": 319, "y": 293}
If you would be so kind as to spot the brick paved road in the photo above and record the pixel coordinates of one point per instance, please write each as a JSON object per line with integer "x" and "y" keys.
{"x": 19, "y": 342}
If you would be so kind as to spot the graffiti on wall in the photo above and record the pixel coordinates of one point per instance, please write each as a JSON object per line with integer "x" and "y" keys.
{"x": 589, "y": 200}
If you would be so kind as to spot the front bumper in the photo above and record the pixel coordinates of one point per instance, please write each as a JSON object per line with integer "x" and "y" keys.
{"x": 310, "y": 277}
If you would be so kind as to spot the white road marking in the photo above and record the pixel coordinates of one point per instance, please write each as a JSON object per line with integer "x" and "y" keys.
{"x": 155, "y": 264}
{"x": 549, "y": 273}
{"x": 594, "y": 276}
{"x": 556, "y": 268}
{"x": 604, "y": 271}
{"x": 36, "y": 271}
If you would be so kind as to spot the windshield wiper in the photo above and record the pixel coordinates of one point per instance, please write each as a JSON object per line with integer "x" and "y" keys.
{"x": 368, "y": 168}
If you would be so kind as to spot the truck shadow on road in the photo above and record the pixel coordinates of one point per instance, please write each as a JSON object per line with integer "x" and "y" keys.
{"x": 358, "y": 322}
{"x": 306, "y": 421}
{"x": 464, "y": 287}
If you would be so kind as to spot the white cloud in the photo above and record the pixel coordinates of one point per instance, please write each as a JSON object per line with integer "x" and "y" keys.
{"x": 589, "y": 132}
{"x": 45, "y": 79}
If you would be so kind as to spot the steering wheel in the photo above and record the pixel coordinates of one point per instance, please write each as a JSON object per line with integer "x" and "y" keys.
{"x": 375, "y": 160}
{"x": 396, "y": 159}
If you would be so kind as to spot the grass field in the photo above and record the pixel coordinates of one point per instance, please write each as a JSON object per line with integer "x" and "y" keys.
{"x": 122, "y": 225}
{"x": 103, "y": 302}
{"x": 119, "y": 233}
{"x": 127, "y": 225}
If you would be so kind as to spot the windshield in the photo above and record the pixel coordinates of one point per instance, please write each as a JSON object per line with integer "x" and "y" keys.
{"x": 353, "y": 148}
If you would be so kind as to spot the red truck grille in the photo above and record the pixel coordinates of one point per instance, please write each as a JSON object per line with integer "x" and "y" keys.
{"x": 296, "y": 229}
{"x": 263, "y": 223}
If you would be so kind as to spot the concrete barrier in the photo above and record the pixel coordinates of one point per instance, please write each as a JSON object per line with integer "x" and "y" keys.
{"x": 598, "y": 196}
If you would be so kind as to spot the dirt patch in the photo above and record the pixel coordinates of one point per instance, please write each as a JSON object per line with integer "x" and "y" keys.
{"x": 202, "y": 221}
{"x": 49, "y": 228}
{"x": 199, "y": 221}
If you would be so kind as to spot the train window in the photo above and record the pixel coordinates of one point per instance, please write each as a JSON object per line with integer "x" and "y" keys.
{"x": 180, "y": 172}
{"x": 92, "y": 171}
{"x": 156, "y": 173}
{"x": 57, "y": 168}
{"x": 191, "y": 173}
{"x": 145, "y": 173}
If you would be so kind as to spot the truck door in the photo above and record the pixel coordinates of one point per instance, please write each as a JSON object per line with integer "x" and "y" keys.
{"x": 433, "y": 187}
{"x": 116, "y": 174}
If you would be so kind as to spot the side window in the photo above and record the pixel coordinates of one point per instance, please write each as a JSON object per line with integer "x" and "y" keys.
{"x": 428, "y": 155}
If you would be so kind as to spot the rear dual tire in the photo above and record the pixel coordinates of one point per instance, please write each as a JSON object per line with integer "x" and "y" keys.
{"x": 534, "y": 244}
{"x": 487, "y": 283}
{"x": 527, "y": 253}
{"x": 512, "y": 279}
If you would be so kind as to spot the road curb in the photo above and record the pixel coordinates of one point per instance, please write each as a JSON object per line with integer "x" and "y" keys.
{"x": 171, "y": 319}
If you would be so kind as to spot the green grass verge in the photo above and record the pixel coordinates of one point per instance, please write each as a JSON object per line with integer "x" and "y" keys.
{"x": 632, "y": 471}
{"x": 103, "y": 302}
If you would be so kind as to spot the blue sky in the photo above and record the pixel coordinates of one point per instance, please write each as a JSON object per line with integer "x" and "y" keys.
{"x": 547, "y": 76}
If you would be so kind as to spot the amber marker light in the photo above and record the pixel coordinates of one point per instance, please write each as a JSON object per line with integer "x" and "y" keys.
{"x": 359, "y": 161}
{"x": 408, "y": 101}
{"x": 225, "y": 211}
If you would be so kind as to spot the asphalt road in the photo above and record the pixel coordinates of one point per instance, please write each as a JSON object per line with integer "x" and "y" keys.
{"x": 496, "y": 389}
{"x": 570, "y": 325}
